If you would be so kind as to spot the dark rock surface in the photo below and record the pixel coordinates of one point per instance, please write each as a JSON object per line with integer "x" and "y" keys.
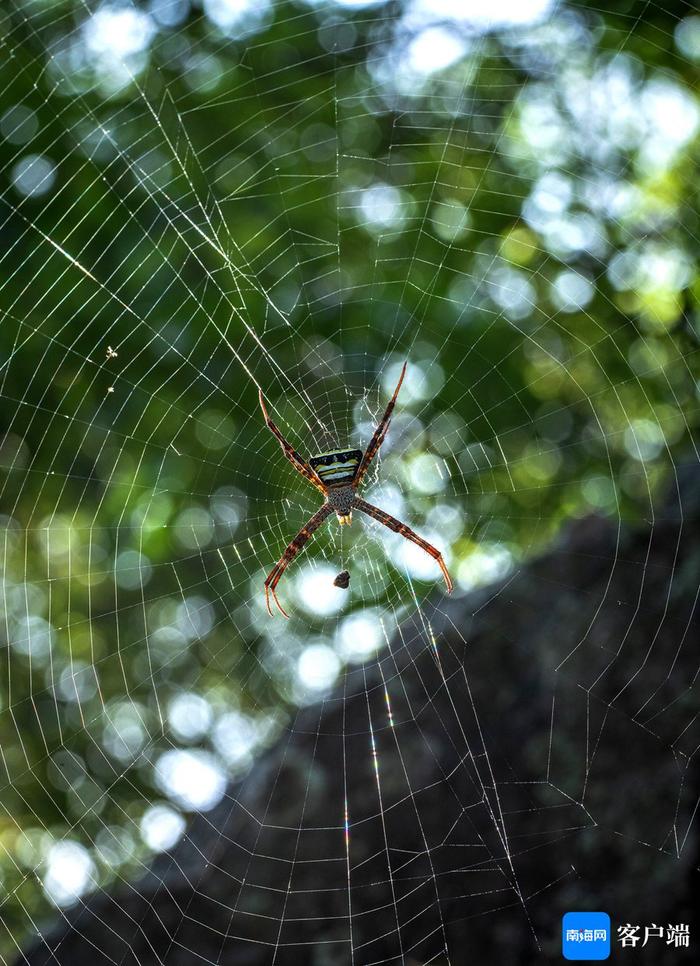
{"x": 514, "y": 754}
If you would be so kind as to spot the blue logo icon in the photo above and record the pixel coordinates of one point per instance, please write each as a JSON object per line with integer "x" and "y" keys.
{"x": 585, "y": 935}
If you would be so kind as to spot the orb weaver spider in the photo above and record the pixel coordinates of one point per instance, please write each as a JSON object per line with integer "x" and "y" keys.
{"x": 337, "y": 476}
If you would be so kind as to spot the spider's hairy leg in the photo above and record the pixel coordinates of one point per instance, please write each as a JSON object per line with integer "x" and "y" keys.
{"x": 398, "y": 527}
{"x": 273, "y": 578}
{"x": 380, "y": 432}
{"x": 297, "y": 461}
{"x": 281, "y": 609}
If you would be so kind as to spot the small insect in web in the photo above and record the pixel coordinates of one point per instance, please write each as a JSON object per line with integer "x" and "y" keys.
{"x": 342, "y": 580}
{"x": 337, "y": 476}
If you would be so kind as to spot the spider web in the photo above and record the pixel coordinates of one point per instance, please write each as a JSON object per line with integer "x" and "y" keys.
{"x": 299, "y": 198}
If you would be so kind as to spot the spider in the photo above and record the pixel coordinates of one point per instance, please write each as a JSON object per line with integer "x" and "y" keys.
{"x": 337, "y": 476}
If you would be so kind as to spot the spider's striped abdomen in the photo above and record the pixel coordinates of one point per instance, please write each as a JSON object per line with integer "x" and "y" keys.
{"x": 338, "y": 467}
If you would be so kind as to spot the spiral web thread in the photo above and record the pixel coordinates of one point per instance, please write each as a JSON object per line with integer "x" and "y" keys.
{"x": 135, "y": 456}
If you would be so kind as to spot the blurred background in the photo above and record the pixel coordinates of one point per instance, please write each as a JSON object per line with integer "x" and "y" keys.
{"x": 204, "y": 197}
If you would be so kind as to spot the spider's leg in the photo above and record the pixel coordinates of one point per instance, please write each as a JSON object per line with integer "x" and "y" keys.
{"x": 398, "y": 527}
{"x": 380, "y": 432}
{"x": 297, "y": 461}
{"x": 273, "y": 578}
